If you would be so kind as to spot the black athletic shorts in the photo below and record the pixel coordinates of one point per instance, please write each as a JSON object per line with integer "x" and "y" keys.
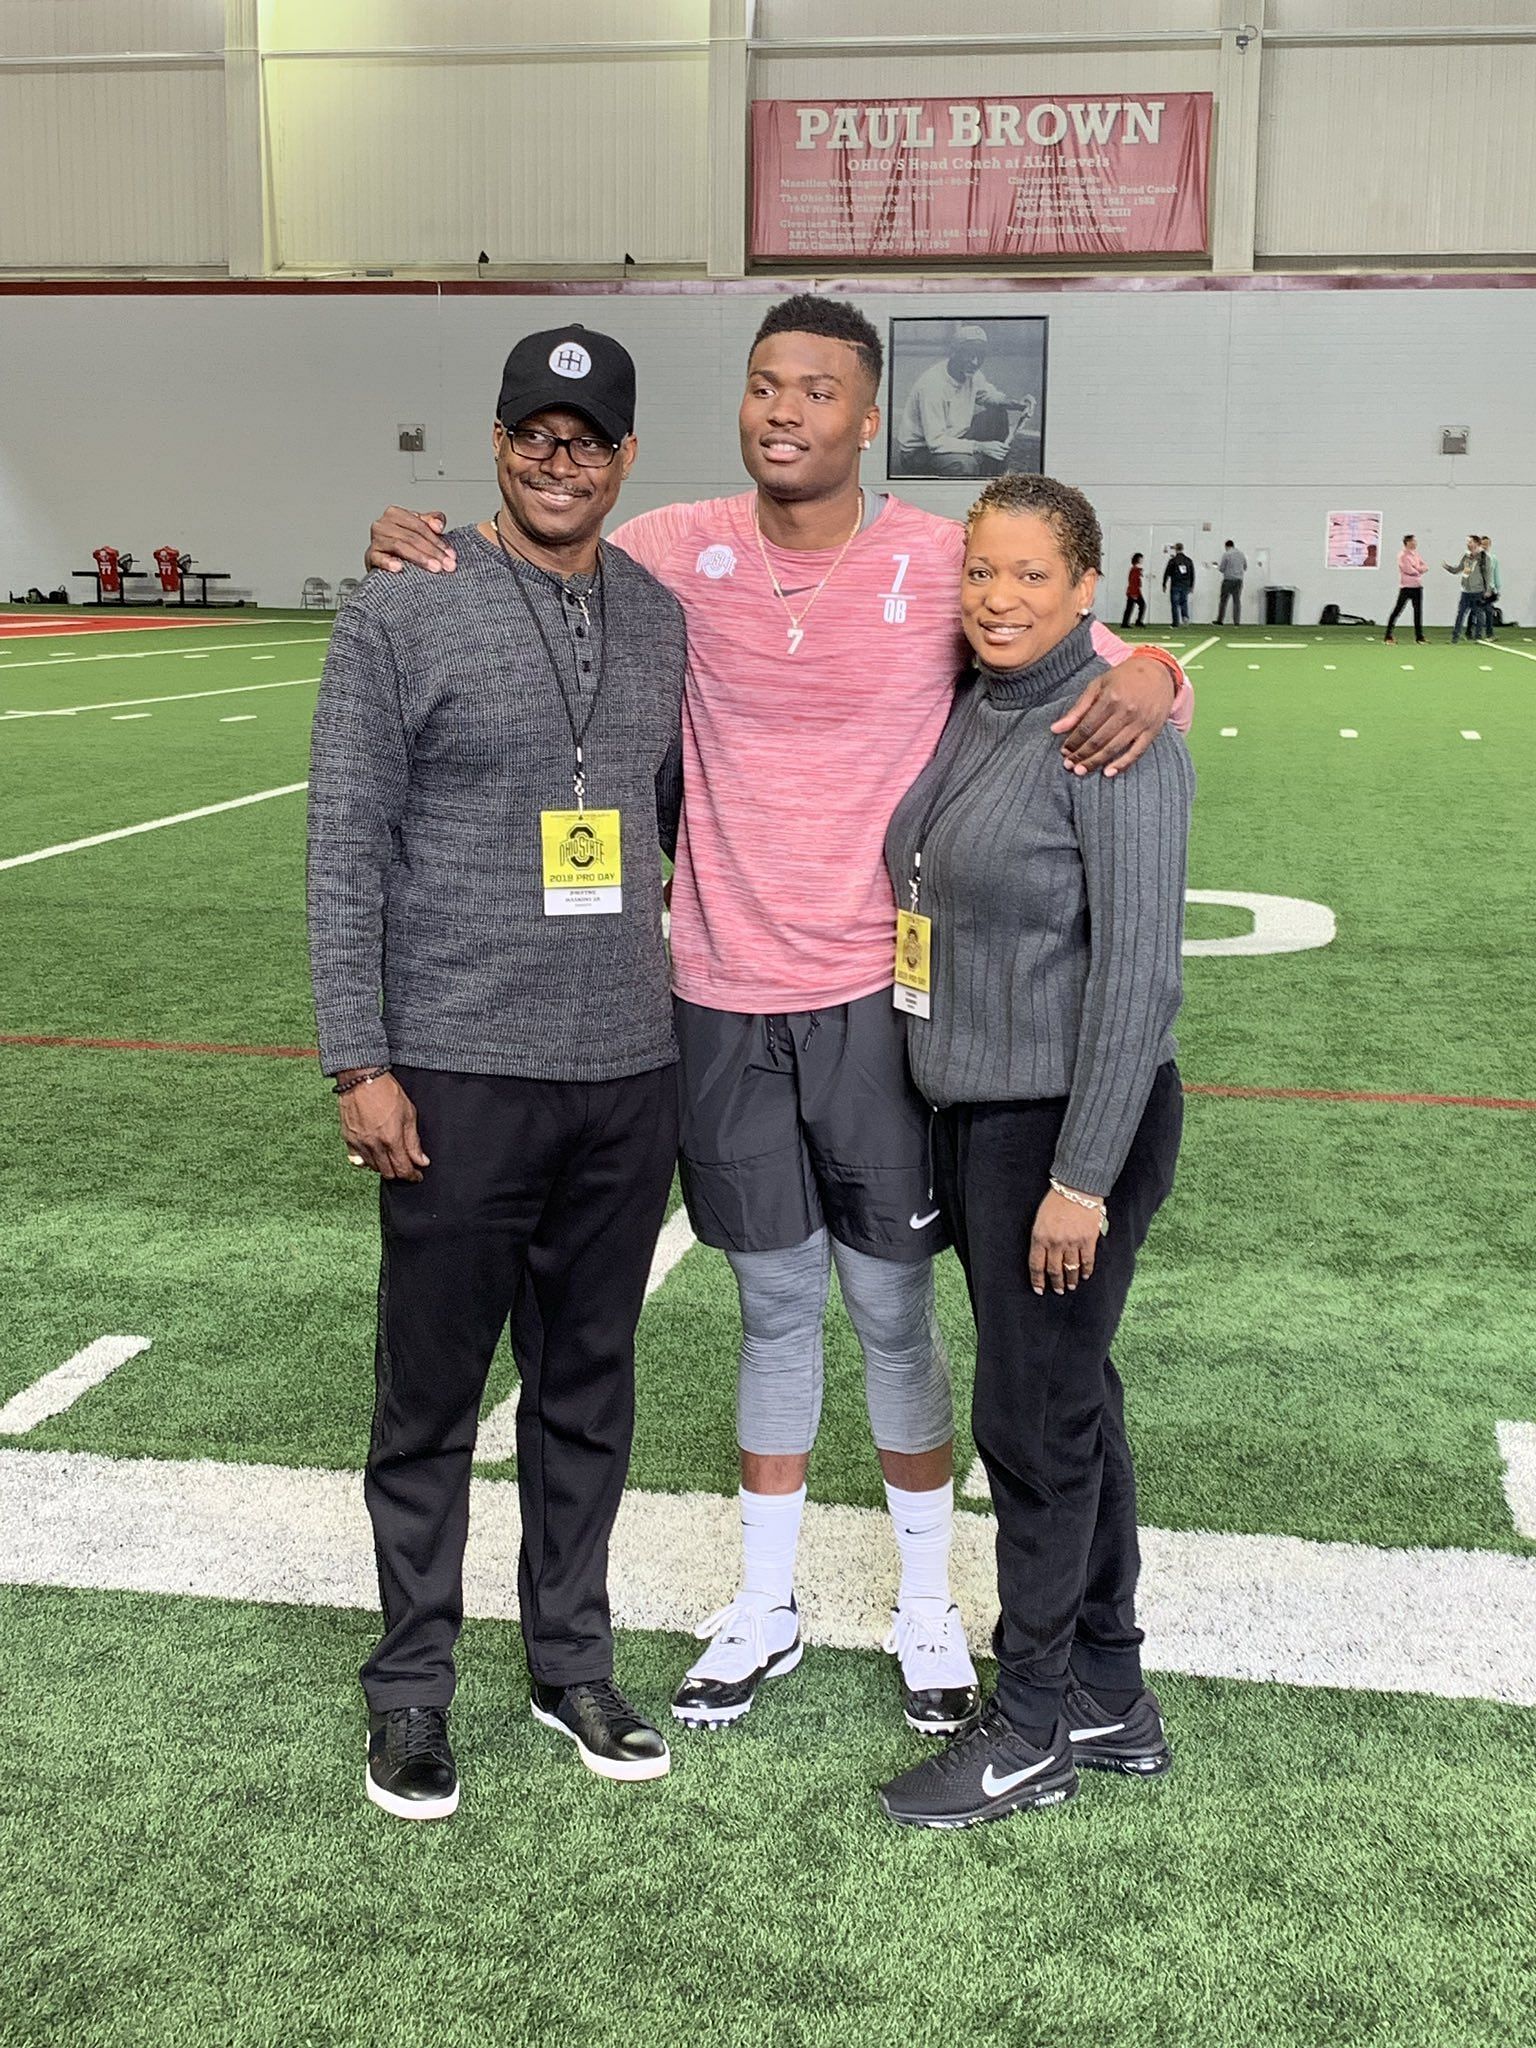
{"x": 792, "y": 1122}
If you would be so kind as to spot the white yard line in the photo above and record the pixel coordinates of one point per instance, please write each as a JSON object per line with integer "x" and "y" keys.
{"x": 1347, "y": 732}
{"x": 1264, "y": 645}
{"x": 1454, "y": 1623}
{"x": 1499, "y": 647}
{"x": 239, "y": 718}
{"x": 148, "y": 653}
{"x": 1194, "y": 652}
{"x": 236, "y": 803}
{"x": 180, "y": 697}
{"x": 1471, "y": 735}
{"x": 497, "y": 1437}
{"x": 1229, "y": 732}
{"x": 676, "y": 1238}
{"x": 127, "y": 717}
{"x": 1517, "y": 1447}
{"x": 62, "y": 1388}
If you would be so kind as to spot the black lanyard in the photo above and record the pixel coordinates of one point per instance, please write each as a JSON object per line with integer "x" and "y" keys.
{"x": 578, "y": 732}
{"x": 940, "y": 803}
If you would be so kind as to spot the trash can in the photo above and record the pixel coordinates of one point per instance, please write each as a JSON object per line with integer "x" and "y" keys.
{"x": 1279, "y": 604}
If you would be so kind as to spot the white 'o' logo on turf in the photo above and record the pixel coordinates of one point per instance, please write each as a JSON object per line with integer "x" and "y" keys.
{"x": 1281, "y": 924}
{"x": 717, "y": 561}
{"x": 570, "y": 359}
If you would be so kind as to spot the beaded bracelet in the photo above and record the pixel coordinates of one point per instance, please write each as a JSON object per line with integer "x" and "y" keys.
{"x": 358, "y": 1081}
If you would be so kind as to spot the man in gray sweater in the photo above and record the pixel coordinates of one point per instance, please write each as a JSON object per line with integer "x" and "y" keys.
{"x": 1234, "y": 567}
{"x": 494, "y": 755}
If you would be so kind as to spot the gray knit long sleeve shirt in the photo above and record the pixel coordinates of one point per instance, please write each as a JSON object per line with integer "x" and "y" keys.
{"x": 1058, "y": 912}
{"x": 439, "y": 737}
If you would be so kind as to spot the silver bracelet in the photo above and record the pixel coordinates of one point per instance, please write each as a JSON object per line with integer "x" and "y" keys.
{"x": 1092, "y": 1202}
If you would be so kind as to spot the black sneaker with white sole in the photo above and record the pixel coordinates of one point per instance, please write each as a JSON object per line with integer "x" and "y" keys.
{"x": 611, "y": 1738}
{"x": 749, "y": 1641}
{"x": 1133, "y": 1742}
{"x": 411, "y": 1772}
{"x": 983, "y": 1775}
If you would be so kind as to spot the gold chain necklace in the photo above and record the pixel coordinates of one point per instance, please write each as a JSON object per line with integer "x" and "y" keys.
{"x": 797, "y": 619}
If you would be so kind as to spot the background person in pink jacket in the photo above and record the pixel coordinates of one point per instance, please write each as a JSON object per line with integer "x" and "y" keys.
{"x": 1410, "y": 576}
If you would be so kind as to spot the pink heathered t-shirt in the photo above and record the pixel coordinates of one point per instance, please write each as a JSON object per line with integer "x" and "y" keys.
{"x": 793, "y": 763}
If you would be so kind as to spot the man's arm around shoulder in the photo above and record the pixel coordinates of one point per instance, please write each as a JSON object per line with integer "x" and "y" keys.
{"x": 1119, "y": 714}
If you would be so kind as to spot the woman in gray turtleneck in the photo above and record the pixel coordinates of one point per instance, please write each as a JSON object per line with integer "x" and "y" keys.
{"x": 1050, "y": 910}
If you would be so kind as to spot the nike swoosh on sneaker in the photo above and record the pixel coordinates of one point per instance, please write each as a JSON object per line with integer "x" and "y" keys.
{"x": 1090, "y": 1734}
{"x": 922, "y": 1222}
{"x": 994, "y": 1786}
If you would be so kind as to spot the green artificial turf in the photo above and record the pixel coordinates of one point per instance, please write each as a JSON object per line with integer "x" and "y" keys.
{"x": 1331, "y": 1316}
{"x": 1311, "y": 1349}
{"x": 188, "y": 1858}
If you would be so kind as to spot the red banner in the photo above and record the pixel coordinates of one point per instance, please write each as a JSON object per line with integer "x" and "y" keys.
{"x": 956, "y": 181}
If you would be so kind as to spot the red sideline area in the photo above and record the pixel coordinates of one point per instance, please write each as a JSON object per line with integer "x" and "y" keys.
{"x": 1231, "y": 1093}
{"x": 28, "y": 626}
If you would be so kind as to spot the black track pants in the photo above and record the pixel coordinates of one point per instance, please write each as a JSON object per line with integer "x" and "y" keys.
{"x": 542, "y": 1202}
{"x": 1049, "y": 1415}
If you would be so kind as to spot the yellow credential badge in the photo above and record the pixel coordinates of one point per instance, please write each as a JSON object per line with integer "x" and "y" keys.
{"x": 583, "y": 863}
{"x": 914, "y": 986}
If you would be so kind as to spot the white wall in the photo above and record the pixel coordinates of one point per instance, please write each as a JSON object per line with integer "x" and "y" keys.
{"x": 1419, "y": 150}
{"x": 465, "y": 138}
{"x": 290, "y": 137}
{"x": 259, "y": 430}
{"x": 119, "y": 162}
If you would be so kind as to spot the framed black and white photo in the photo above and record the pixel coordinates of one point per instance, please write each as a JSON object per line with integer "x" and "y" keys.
{"x": 967, "y": 397}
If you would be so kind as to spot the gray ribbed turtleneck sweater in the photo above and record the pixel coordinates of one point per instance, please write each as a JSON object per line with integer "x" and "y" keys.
{"x": 1058, "y": 911}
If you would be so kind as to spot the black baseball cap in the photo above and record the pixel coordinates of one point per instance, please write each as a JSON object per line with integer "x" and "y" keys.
{"x": 572, "y": 367}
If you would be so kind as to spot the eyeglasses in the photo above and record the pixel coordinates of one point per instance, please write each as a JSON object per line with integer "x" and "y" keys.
{"x": 587, "y": 451}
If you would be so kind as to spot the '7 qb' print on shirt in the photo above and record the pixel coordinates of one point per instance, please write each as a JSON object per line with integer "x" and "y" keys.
{"x": 895, "y": 604}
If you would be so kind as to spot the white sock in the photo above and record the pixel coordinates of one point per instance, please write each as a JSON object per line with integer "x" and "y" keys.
{"x": 770, "y": 1535}
{"x": 925, "y": 1526}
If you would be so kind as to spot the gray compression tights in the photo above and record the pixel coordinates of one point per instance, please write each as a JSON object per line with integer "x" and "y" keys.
{"x": 889, "y": 1303}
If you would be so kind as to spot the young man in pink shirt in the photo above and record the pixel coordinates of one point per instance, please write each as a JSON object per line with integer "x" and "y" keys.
{"x": 823, "y": 628}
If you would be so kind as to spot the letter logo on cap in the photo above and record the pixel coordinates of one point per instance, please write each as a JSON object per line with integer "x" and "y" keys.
{"x": 570, "y": 359}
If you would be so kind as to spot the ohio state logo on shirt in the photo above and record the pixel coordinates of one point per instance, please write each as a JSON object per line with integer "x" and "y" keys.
{"x": 716, "y": 561}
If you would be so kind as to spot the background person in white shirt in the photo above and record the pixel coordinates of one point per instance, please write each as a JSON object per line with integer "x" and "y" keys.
{"x": 955, "y": 422}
